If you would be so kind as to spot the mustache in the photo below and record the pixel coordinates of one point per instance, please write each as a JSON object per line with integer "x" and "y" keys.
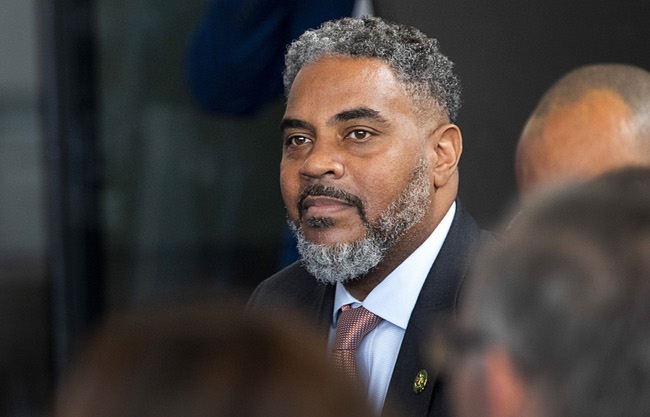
{"x": 329, "y": 191}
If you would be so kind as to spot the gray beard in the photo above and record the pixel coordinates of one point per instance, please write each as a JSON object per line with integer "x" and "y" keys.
{"x": 344, "y": 262}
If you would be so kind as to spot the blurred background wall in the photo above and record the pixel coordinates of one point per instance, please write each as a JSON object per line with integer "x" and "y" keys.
{"x": 24, "y": 318}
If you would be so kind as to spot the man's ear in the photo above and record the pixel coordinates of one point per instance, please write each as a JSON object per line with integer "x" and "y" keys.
{"x": 447, "y": 145}
{"x": 507, "y": 394}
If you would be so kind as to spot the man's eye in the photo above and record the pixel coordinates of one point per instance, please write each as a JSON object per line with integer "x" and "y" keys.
{"x": 360, "y": 134}
{"x": 296, "y": 140}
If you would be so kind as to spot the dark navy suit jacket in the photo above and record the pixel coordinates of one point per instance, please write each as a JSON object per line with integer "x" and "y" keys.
{"x": 295, "y": 288}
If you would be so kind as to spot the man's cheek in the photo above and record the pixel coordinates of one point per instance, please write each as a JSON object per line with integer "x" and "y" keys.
{"x": 290, "y": 199}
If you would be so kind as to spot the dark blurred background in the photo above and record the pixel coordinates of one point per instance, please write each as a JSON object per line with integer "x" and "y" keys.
{"x": 117, "y": 189}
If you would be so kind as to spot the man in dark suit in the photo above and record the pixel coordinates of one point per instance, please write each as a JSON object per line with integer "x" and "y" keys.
{"x": 369, "y": 178}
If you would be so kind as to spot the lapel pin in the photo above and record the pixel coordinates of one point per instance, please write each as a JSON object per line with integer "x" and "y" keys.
{"x": 420, "y": 381}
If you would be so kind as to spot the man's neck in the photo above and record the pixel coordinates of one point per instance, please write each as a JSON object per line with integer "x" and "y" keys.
{"x": 394, "y": 256}
{"x": 360, "y": 288}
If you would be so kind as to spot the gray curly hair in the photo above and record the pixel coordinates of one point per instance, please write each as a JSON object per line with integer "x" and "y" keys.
{"x": 415, "y": 58}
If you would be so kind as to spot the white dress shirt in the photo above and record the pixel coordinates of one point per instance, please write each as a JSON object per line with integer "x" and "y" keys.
{"x": 393, "y": 300}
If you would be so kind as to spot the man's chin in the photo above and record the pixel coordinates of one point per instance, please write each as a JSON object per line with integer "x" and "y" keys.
{"x": 339, "y": 262}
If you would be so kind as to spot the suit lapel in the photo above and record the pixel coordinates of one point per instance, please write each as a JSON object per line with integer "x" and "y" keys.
{"x": 315, "y": 299}
{"x": 326, "y": 306}
{"x": 437, "y": 298}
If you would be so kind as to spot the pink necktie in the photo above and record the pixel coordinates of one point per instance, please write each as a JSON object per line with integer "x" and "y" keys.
{"x": 354, "y": 324}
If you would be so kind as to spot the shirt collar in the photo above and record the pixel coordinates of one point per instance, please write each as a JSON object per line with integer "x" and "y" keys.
{"x": 394, "y": 298}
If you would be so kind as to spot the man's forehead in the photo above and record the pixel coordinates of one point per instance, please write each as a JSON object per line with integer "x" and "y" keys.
{"x": 348, "y": 72}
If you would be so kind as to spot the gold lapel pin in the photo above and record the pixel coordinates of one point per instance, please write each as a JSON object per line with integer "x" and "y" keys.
{"x": 420, "y": 381}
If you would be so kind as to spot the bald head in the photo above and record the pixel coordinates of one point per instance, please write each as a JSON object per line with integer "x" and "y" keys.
{"x": 593, "y": 120}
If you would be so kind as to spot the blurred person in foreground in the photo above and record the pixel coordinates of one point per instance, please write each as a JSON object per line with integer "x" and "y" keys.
{"x": 593, "y": 120}
{"x": 555, "y": 320}
{"x": 369, "y": 178}
{"x": 204, "y": 361}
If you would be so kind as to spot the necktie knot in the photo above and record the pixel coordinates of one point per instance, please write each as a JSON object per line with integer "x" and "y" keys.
{"x": 354, "y": 324}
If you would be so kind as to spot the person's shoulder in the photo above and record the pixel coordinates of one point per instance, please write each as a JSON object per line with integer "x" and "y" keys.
{"x": 466, "y": 229}
{"x": 293, "y": 286}
{"x": 285, "y": 279}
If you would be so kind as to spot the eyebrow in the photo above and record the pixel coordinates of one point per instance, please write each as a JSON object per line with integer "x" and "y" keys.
{"x": 344, "y": 116}
{"x": 357, "y": 113}
{"x": 295, "y": 124}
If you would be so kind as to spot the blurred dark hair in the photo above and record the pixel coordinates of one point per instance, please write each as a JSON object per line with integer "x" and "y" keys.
{"x": 567, "y": 292}
{"x": 200, "y": 361}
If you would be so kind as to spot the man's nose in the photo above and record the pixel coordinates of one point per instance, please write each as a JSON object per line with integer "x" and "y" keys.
{"x": 321, "y": 161}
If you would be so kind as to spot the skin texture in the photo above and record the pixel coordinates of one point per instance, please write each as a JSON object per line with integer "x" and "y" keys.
{"x": 350, "y": 125}
{"x": 488, "y": 384}
{"x": 576, "y": 142}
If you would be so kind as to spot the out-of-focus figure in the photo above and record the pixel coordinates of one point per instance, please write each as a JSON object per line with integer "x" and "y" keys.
{"x": 594, "y": 119}
{"x": 205, "y": 362}
{"x": 554, "y": 320}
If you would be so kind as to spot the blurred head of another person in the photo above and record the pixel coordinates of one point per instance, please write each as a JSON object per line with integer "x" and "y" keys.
{"x": 204, "y": 362}
{"x": 555, "y": 318}
{"x": 594, "y": 119}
